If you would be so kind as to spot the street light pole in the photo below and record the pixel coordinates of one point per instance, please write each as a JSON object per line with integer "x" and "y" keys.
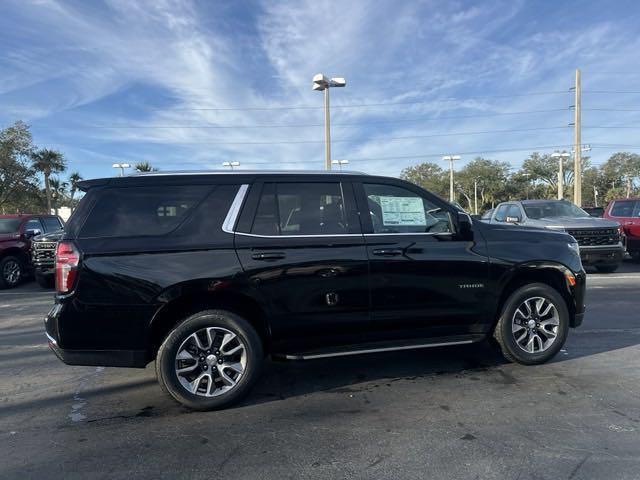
{"x": 327, "y": 131}
{"x": 231, "y": 164}
{"x": 475, "y": 196}
{"x": 450, "y": 159}
{"x": 560, "y": 157}
{"x": 323, "y": 84}
{"x": 121, "y": 166}
{"x": 340, "y": 163}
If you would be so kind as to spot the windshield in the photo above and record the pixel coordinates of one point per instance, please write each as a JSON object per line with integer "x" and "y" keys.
{"x": 553, "y": 209}
{"x": 9, "y": 225}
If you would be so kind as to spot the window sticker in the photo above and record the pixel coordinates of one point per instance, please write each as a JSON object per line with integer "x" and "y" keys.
{"x": 402, "y": 211}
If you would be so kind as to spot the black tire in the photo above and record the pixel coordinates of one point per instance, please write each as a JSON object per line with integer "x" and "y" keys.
{"x": 166, "y": 359}
{"x": 607, "y": 268}
{"x": 45, "y": 281}
{"x": 635, "y": 256}
{"x": 503, "y": 330}
{"x": 9, "y": 276}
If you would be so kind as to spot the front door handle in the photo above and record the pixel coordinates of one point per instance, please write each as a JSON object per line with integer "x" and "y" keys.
{"x": 388, "y": 252}
{"x": 268, "y": 256}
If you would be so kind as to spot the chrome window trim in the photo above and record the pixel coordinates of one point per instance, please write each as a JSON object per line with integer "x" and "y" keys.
{"x": 321, "y": 235}
{"x": 406, "y": 233}
{"x": 234, "y": 210}
{"x": 51, "y": 339}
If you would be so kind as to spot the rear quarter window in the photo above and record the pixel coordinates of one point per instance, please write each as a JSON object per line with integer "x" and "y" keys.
{"x": 142, "y": 211}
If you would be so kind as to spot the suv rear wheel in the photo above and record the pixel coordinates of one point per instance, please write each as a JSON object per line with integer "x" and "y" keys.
{"x": 11, "y": 272}
{"x": 210, "y": 360}
{"x": 533, "y": 325}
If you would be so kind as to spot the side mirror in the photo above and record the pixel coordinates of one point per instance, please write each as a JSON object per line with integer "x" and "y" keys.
{"x": 513, "y": 219}
{"x": 32, "y": 233}
{"x": 465, "y": 226}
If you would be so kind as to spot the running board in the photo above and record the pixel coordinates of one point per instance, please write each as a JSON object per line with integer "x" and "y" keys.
{"x": 386, "y": 347}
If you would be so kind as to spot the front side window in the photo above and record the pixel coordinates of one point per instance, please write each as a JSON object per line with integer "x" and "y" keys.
{"x": 501, "y": 213}
{"x": 51, "y": 224}
{"x": 33, "y": 224}
{"x": 514, "y": 211}
{"x": 398, "y": 210}
{"x": 301, "y": 209}
{"x": 625, "y": 208}
{"x": 142, "y": 211}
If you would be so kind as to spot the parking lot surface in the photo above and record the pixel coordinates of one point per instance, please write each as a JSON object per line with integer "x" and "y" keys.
{"x": 456, "y": 413}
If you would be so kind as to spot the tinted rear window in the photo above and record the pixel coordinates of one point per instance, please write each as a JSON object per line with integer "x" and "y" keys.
{"x": 142, "y": 211}
{"x": 625, "y": 208}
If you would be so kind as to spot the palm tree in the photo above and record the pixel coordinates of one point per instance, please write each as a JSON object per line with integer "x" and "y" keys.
{"x": 145, "y": 167}
{"x": 74, "y": 179}
{"x": 58, "y": 192}
{"x": 47, "y": 162}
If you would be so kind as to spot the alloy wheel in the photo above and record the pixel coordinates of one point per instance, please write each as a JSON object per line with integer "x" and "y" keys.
{"x": 11, "y": 272}
{"x": 535, "y": 324}
{"x": 211, "y": 361}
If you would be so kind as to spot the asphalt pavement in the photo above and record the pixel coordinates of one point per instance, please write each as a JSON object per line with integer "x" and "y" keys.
{"x": 450, "y": 413}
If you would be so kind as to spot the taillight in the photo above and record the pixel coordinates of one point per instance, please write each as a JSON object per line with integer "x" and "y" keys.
{"x": 67, "y": 262}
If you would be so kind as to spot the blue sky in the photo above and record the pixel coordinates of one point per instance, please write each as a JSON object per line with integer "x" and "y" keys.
{"x": 188, "y": 85}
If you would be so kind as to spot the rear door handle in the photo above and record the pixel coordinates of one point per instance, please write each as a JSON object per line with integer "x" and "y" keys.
{"x": 388, "y": 252}
{"x": 268, "y": 256}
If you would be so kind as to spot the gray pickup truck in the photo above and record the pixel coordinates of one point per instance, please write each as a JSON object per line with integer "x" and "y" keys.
{"x": 600, "y": 240}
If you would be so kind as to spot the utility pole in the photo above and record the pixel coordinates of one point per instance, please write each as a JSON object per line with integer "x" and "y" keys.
{"x": 595, "y": 196}
{"x": 450, "y": 159}
{"x": 577, "y": 161}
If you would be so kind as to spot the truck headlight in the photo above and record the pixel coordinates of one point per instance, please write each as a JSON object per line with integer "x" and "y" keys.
{"x": 574, "y": 247}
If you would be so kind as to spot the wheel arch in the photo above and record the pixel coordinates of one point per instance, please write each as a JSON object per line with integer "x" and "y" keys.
{"x": 186, "y": 304}
{"x": 15, "y": 252}
{"x": 548, "y": 273}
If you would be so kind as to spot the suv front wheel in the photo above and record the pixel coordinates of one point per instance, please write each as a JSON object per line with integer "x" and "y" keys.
{"x": 11, "y": 272}
{"x": 210, "y": 360}
{"x": 533, "y": 325}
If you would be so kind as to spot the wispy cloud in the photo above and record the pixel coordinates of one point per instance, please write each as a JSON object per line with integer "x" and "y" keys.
{"x": 161, "y": 68}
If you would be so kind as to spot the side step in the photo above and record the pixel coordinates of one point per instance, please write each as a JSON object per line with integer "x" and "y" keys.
{"x": 374, "y": 347}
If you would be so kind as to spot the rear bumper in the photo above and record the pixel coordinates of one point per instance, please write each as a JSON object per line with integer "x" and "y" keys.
{"x": 601, "y": 255}
{"x": 99, "y": 358}
{"x": 633, "y": 244}
{"x": 89, "y": 357}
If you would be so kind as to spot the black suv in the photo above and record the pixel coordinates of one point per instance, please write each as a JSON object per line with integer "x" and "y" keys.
{"x": 209, "y": 272}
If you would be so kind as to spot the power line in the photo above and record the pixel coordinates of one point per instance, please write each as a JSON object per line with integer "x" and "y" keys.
{"x": 347, "y": 140}
{"x": 365, "y": 105}
{"x": 351, "y": 124}
{"x": 612, "y": 92}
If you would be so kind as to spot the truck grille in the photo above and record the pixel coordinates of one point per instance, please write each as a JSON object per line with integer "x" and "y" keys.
{"x": 43, "y": 253}
{"x": 595, "y": 237}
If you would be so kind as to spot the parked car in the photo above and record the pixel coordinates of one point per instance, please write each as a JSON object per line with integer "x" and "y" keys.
{"x": 594, "y": 211}
{"x": 600, "y": 239}
{"x": 16, "y": 232}
{"x": 208, "y": 272}
{"x": 43, "y": 252}
{"x": 627, "y": 212}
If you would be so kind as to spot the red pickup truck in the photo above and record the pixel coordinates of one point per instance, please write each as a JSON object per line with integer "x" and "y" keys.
{"x": 16, "y": 232}
{"x": 627, "y": 212}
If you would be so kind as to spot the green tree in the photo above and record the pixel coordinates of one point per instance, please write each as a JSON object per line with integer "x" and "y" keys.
{"x": 16, "y": 175}
{"x": 488, "y": 177}
{"x": 74, "y": 179}
{"x": 144, "y": 167}
{"x": 428, "y": 176}
{"x": 48, "y": 162}
{"x": 621, "y": 171}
